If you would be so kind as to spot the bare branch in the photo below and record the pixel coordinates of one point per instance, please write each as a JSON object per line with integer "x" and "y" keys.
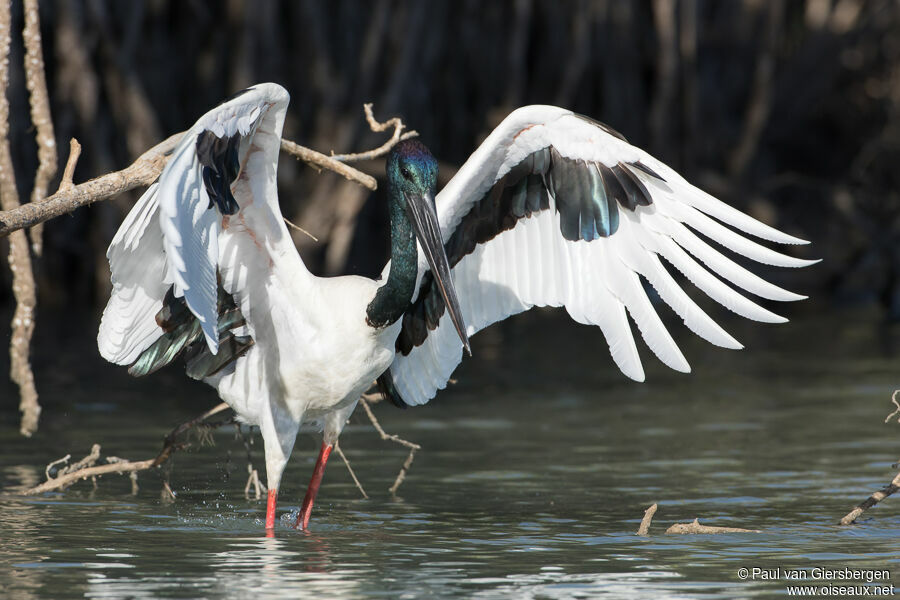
{"x": 359, "y": 486}
{"x": 300, "y": 229}
{"x": 318, "y": 159}
{"x": 253, "y": 480}
{"x": 381, "y": 432}
{"x": 19, "y": 256}
{"x": 897, "y": 404}
{"x": 58, "y": 461}
{"x": 63, "y": 481}
{"x": 66, "y": 183}
{"x": 401, "y": 476}
{"x": 386, "y": 436}
{"x": 87, "y": 467}
{"x": 141, "y": 172}
{"x": 40, "y": 113}
{"x": 648, "y": 518}
{"x": 377, "y": 127}
{"x": 696, "y": 527}
{"x": 146, "y": 169}
{"x": 872, "y": 500}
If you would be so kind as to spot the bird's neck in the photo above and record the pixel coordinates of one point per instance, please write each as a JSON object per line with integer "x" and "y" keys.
{"x": 392, "y": 299}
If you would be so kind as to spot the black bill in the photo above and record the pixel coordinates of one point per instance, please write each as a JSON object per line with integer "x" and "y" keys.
{"x": 428, "y": 231}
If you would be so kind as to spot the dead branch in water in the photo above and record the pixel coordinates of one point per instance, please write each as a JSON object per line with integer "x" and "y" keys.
{"x": 897, "y": 404}
{"x": 365, "y": 400}
{"x": 871, "y": 501}
{"x": 883, "y": 493}
{"x": 696, "y": 527}
{"x": 87, "y": 467}
{"x": 644, "y": 529}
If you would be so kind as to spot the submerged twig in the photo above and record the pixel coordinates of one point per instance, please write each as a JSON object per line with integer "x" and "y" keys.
{"x": 648, "y": 518}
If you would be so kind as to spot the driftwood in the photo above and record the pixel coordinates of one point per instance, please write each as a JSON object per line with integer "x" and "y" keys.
{"x": 685, "y": 528}
{"x": 644, "y": 529}
{"x": 696, "y": 527}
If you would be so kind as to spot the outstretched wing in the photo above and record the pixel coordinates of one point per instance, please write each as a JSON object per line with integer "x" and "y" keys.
{"x": 555, "y": 209}
{"x": 192, "y": 260}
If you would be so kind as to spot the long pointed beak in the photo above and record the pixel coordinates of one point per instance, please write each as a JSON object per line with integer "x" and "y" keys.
{"x": 428, "y": 231}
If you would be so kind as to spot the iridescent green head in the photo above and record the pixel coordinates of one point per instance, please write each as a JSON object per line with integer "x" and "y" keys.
{"x": 412, "y": 170}
{"x": 412, "y": 184}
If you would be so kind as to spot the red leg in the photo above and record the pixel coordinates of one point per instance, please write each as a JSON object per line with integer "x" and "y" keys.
{"x": 313, "y": 489}
{"x": 270, "y": 510}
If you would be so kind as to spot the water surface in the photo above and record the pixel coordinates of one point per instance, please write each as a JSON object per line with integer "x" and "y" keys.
{"x": 535, "y": 471}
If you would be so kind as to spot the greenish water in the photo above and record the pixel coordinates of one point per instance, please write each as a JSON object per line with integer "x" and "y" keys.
{"x": 535, "y": 471}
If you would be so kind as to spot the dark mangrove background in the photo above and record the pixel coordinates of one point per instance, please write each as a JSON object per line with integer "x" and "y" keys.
{"x": 788, "y": 110}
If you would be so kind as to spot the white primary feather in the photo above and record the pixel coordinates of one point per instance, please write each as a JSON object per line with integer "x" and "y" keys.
{"x": 598, "y": 282}
{"x": 138, "y": 268}
{"x": 174, "y": 237}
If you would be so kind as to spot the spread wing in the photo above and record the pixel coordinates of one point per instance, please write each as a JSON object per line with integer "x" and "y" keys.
{"x": 555, "y": 209}
{"x": 191, "y": 263}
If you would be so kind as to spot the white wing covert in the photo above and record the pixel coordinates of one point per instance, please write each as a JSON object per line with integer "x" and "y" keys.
{"x": 555, "y": 209}
{"x": 201, "y": 239}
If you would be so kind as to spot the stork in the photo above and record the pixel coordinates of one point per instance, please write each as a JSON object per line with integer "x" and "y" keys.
{"x": 553, "y": 209}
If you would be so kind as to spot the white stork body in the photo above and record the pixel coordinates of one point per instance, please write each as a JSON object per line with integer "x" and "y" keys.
{"x": 552, "y": 210}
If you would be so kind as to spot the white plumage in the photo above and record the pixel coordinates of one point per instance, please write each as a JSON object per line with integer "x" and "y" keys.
{"x": 597, "y": 281}
{"x": 318, "y": 343}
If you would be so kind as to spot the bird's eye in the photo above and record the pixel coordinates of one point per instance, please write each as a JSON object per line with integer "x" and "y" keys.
{"x": 405, "y": 172}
